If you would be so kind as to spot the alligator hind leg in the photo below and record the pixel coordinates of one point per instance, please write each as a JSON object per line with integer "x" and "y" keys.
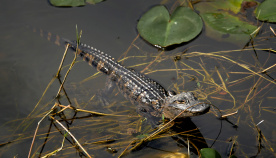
{"x": 104, "y": 94}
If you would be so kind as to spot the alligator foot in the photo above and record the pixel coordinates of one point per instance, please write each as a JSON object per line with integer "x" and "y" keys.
{"x": 103, "y": 95}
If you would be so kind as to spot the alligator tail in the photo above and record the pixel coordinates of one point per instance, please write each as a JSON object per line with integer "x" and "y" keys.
{"x": 54, "y": 38}
{"x": 95, "y": 57}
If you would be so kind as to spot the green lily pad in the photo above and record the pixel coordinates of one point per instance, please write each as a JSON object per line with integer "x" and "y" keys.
{"x": 159, "y": 28}
{"x": 233, "y": 6}
{"x": 223, "y": 23}
{"x": 227, "y": 23}
{"x": 209, "y": 153}
{"x": 226, "y": 27}
{"x": 67, "y": 3}
{"x": 266, "y": 11}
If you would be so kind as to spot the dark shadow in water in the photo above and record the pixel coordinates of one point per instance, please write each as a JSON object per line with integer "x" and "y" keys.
{"x": 186, "y": 134}
{"x": 189, "y": 131}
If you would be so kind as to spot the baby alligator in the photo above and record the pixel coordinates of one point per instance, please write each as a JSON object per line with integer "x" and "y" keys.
{"x": 151, "y": 98}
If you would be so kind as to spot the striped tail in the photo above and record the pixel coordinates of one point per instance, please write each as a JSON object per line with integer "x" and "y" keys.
{"x": 93, "y": 56}
{"x": 56, "y": 39}
{"x": 103, "y": 62}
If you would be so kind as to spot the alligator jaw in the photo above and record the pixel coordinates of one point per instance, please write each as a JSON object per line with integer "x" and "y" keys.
{"x": 186, "y": 102}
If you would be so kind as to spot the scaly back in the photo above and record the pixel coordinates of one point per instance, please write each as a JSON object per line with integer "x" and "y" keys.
{"x": 135, "y": 86}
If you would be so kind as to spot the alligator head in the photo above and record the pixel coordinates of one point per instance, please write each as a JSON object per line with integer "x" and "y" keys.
{"x": 176, "y": 103}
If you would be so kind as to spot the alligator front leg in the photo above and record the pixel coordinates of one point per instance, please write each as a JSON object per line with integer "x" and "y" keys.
{"x": 152, "y": 117}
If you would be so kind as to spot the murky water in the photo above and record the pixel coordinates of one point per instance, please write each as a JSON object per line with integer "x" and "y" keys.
{"x": 29, "y": 62}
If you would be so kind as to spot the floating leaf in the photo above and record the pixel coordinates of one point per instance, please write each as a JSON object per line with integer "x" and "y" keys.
{"x": 266, "y": 11}
{"x": 209, "y": 153}
{"x": 67, "y": 3}
{"x": 158, "y": 28}
{"x": 227, "y": 23}
{"x": 220, "y": 5}
{"x": 225, "y": 27}
{"x": 223, "y": 23}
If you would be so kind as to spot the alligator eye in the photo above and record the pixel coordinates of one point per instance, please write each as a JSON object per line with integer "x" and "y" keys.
{"x": 182, "y": 102}
{"x": 171, "y": 93}
{"x": 179, "y": 102}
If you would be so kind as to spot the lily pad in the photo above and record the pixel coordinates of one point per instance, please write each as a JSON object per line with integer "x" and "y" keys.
{"x": 227, "y": 23}
{"x": 209, "y": 153}
{"x": 159, "y": 28}
{"x": 266, "y": 11}
{"x": 67, "y": 3}
{"x": 233, "y": 6}
{"x": 223, "y": 23}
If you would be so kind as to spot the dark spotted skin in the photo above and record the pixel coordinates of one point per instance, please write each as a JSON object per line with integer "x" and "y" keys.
{"x": 150, "y": 97}
{"x": 139, "y": 89}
